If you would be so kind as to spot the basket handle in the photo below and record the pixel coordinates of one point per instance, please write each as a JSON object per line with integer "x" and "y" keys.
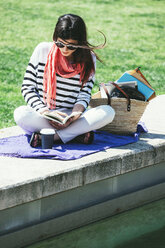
{"x": 122, "y": 91}
{"x": 106, "y": 91}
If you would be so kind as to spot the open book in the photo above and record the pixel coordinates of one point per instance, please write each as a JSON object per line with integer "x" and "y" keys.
{"x": 60, "y": 117}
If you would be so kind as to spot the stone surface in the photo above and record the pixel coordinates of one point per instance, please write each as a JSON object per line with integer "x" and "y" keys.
{"x": 115, "y": 231}
{"x": 154, "y": 115}
{"x": 25, "y": 180}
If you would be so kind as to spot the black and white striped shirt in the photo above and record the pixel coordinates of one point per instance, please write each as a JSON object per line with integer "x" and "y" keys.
{"x": 68, "y": 91}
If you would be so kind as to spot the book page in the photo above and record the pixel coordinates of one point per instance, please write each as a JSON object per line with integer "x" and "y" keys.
{"x": 129, "y": 83}
{"x": 60, "y": 117}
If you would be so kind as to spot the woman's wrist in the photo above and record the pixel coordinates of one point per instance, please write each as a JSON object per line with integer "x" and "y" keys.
{"x": 78, "y": 108}
{"x": 44, "y": 111}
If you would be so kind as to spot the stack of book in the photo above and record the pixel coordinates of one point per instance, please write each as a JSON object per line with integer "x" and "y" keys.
{"x": 137, "y": 79}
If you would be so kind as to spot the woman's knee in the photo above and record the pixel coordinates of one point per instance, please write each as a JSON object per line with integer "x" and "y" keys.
{"x": 109, "y": 112}
{"x": 19, "y": 113}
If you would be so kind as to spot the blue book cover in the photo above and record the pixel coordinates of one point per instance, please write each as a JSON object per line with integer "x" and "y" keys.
{"x": 144, "y": 89}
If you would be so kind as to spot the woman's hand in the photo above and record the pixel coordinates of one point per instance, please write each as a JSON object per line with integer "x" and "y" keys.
{"x": 44, "y": 111}
{"x": 55, "y": 124}
{"x": 76, "y": 117}
{"x": 59, "y": 126}
{"x": 77, "y": 108}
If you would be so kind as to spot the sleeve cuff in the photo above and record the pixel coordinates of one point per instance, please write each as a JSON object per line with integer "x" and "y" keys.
{"x": 82, "y": 103}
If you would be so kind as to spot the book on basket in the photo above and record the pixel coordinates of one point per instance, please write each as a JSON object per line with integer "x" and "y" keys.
{"x": 142, "y": 84}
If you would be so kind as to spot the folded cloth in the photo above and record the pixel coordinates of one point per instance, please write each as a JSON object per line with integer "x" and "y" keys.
{"x": 18, "y": 146}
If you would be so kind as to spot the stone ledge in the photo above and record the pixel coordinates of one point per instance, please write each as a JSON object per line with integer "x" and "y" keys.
{"x": 55, "y": 226}
{"x": 25, "y": 180}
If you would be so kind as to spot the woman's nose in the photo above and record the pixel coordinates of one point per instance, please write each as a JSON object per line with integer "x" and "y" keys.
{"x": 65, "y": 48}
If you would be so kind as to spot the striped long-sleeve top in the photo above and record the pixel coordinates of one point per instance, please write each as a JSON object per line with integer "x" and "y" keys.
{"x": 68, "y": 91}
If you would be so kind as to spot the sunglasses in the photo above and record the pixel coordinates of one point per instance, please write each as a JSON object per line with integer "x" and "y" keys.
{"x": 59, "y": 44}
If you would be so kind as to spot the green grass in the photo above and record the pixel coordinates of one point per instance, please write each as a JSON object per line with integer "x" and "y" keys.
{"x": 135, "y": 32}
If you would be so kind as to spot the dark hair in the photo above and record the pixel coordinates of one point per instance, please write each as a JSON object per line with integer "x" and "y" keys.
{"x": 73, "y": 27}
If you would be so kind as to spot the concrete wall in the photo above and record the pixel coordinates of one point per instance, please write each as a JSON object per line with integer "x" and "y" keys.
{"x": 43, "y": 198}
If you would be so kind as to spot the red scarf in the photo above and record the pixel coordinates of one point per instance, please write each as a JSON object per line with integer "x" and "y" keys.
{"x": 57, "y": 63}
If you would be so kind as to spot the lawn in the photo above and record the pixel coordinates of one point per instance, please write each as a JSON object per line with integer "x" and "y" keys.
{"x": 135, "y": 32}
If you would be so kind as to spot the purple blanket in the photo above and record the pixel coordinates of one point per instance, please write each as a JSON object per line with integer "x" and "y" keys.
{"x": 18, "y": 146}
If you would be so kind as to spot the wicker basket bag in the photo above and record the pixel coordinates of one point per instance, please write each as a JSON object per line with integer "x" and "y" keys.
{"x": 127, "y": 112}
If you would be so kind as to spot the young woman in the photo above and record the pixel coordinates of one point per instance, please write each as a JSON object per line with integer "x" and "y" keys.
{"x": 60, "y": 76}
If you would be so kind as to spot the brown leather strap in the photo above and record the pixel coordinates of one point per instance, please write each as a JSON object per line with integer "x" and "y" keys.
{"x": 138, "y": 71}
{"x": 117, "y": 86}
{"x": 106, "y": 91}
{"x": 122, "y": 91}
